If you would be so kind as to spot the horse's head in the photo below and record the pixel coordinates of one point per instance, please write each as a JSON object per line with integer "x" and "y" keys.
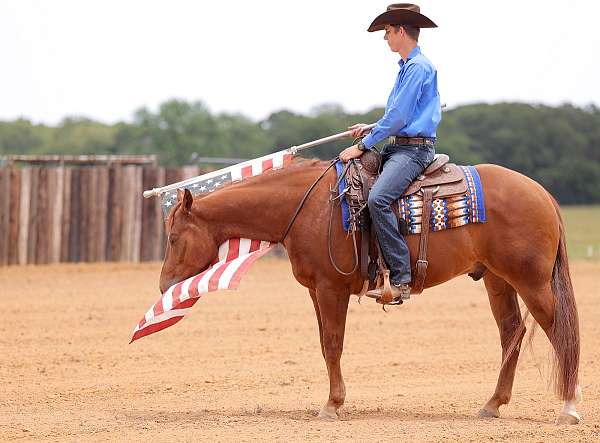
{"x": 190, "y": 245}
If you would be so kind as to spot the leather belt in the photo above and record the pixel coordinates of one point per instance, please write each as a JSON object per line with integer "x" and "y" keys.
{"x": 397, "y": 140}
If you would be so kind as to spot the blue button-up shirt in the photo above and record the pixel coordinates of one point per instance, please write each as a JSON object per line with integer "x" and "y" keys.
{"x": 413, "y": 107}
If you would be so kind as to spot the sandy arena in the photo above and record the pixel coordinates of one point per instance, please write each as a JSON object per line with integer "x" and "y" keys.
{"x": 246, "y": 365}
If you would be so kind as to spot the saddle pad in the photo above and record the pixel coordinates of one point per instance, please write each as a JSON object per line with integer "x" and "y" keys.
{"x": 339, "y": 168}
{"x": 449, "y": 212}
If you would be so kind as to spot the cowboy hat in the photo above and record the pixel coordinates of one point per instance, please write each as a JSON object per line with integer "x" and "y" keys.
{"x": 401, "y": 14}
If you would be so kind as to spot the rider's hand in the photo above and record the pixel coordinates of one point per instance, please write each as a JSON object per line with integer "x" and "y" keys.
{"x": 358, "y": 130}
{"x": 350, "y": 153}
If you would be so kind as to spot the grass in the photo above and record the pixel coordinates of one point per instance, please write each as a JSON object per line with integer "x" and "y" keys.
{"x": 583, "y": 231}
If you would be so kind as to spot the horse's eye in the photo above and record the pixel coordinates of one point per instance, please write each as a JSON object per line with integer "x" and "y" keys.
{"x": 173, "y": 238}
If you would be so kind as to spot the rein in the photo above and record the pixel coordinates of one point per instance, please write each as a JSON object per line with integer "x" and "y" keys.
{"x": 332, "y": 201}
{"x": 301, "y": 205}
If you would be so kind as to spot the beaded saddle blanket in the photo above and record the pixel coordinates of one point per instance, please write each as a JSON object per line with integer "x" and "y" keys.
{"x": 448, "y": 212}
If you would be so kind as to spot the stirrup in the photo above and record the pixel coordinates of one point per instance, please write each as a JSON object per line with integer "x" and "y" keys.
{"x": 395, "y": 302}
{"x": 377, "y": 298}
{"x": 384, "y": 294}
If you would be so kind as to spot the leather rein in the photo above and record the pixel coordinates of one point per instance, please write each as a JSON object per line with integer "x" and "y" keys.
{"x": 335, "y": 195}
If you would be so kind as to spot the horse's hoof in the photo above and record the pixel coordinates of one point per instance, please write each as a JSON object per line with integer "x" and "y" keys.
{"x": 486, "y": 413}
{"x": 568, "y": 418}
{"x": 568, "y": 414}
{"x": 328, "y": 414}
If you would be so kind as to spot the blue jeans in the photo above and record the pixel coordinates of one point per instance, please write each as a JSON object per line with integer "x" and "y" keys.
{"x": 401, "y": 165}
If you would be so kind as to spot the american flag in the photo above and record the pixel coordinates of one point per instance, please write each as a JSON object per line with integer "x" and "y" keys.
{"x": 212, "y": 181}
{"x": 234, "y": 258}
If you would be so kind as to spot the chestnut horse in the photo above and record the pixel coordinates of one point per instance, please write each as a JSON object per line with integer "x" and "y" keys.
{"x": 519, "y": 250}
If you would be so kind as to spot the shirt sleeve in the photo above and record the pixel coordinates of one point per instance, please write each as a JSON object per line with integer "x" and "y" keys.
{"x": 401, "y": 108}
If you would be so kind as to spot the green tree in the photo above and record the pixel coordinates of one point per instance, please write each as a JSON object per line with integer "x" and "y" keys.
{"x": 20, "y": 137}
{"x": 80, "y": 136}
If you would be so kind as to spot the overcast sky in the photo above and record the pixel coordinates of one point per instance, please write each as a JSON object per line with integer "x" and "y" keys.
{"x": 104, "y": 59}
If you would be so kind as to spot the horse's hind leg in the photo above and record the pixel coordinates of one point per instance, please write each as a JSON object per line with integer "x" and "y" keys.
{"x": 505, "y": 307}
{"x": 541, "y": 302}
{"x": 333, "y": 308}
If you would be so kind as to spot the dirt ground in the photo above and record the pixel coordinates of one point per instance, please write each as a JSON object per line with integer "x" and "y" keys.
{"x": 246, "y": 365}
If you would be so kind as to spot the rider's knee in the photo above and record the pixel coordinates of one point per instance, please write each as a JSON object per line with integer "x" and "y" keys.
{"x": 377, "y": 201}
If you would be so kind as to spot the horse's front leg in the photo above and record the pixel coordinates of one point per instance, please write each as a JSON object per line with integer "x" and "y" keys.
{"x": 333, "y": 308}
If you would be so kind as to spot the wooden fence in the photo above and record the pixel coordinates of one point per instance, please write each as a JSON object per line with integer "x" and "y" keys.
{"x": 82, "y": 214}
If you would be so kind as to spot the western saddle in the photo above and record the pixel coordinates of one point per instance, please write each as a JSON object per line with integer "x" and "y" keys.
{"x": 440, "y": 179}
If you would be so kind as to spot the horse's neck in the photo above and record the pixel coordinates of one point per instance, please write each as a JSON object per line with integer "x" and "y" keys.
{"x": 260, "y": 209}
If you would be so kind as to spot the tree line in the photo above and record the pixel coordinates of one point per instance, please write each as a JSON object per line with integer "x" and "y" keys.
{"x": 557, "y": 146}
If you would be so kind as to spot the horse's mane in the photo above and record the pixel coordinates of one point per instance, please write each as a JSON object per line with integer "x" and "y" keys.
{"x": 297, "y": 164}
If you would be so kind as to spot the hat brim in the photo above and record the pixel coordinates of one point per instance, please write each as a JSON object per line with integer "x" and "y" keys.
{"x": 401, "y": 17}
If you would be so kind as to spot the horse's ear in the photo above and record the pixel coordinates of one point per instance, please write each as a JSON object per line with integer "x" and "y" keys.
{"x": 188, "y": 199}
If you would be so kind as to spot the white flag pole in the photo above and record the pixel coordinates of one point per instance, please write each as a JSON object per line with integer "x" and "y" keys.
{"x": 321, "y": 141}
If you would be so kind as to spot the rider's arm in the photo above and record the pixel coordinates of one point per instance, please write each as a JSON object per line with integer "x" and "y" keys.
{"x": 401, "y": 106}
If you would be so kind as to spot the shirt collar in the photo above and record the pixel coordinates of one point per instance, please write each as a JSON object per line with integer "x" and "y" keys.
{"x": 416, "y": 51}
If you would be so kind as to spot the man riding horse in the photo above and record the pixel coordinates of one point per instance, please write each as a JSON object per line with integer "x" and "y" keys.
{"x": 525, "y": 260}
{"x": 412, "y": 114}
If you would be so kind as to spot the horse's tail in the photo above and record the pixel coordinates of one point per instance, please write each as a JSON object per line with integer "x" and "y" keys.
{"x": 565, "y": 329}
{"x": 564, "y": 334}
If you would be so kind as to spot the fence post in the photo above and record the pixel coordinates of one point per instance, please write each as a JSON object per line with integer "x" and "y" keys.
{"x": 14, "y": 216}
{"x": 4, "y": 214}
{"x": 24, "y": 205}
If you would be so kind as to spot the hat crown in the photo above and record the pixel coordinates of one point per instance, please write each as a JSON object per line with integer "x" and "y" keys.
{"x": 401, "y": 14}
{"x": 406, "y": 6}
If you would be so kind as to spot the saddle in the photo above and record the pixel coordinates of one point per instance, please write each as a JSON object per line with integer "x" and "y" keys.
{"x": 440, "y": 179}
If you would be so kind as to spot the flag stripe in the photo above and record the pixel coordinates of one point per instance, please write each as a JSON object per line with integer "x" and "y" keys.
{"x": 213, "y": 283}
{"x": 244, "y": 246}
{"x": 185, "y": 289}
{"x": 236, "y": 174}
{"x": 172, "y": 301}
{"x": 151, "y": 329}
{"x": 257, "y": 167}
{"x": 204, "y": 281}
{"x": 166, "y": 316}
{"x": 234, "y": 249}
{"x": 268, "y": 164}
{"x": 255, "y": 245}
{"x": 193, "y": 291}
{"x": 246, "y": 171}
{"x": 237, "y": 276}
